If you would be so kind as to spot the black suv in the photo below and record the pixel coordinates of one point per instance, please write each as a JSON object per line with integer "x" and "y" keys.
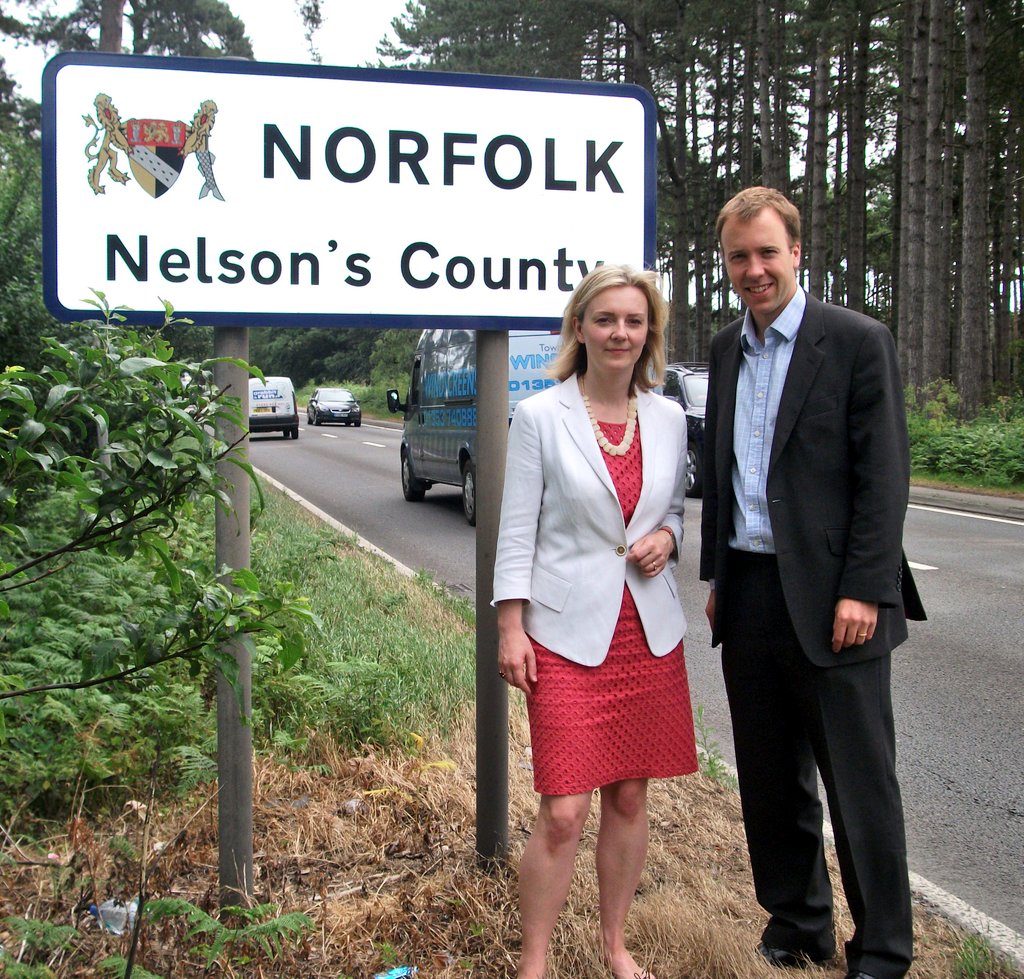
{"x": 688, "y": 384}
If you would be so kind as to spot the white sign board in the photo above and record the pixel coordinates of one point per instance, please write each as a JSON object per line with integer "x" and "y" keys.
{"x": 291, "y": 195}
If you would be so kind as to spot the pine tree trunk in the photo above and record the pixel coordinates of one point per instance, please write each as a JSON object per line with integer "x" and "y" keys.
{"x": 111, "y": 19}
{"x": 912, "y": 217}
{"x": 780, "y": 108}
{"x": 818, "y": 158}
{"x": 857, "y": 193}
{"x": 975, "y": 367}
{"x": 836, "y": 292}
{"x": 749, "y": 73}
{"x": 681, "y": 238}
{"x": 727, "y": 178}
{"x": 713, "y": 205}
{"x": 935, "y": 338}
{"x": 703, "y": 255}
{"x": 764, "y": 74}
{"x": 1003, "y": 246}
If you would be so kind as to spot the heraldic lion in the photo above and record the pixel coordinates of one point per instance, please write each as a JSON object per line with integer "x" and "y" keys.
{"x": 113, "y": 139}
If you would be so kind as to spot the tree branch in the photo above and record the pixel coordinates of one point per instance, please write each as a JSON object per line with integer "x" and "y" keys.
{"x": 94, "y": 533}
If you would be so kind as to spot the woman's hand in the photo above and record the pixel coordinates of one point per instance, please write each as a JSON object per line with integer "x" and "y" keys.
{"x": 651, "y": 553}
{"x": 517, "y": 664}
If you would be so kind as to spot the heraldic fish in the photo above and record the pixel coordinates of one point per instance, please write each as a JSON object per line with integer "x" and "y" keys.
{"x": 206, "y": 158}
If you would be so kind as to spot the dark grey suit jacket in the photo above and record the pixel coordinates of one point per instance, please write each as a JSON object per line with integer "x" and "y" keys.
{"x": 838, "y": 480}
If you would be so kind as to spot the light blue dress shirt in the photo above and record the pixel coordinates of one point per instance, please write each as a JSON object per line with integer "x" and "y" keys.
{"x": 759, "y": 387}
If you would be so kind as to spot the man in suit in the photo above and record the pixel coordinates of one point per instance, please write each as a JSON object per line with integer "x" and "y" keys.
{"x": 806, "y": 484}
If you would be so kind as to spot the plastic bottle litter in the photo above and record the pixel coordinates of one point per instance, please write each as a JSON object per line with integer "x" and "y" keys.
{"x": 403, "y": 970}
{"x": 114, "y": 915}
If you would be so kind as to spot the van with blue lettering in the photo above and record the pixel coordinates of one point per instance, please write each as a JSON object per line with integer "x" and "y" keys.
{"x": 272, "y": 407}
{"x": 439, "y": 431}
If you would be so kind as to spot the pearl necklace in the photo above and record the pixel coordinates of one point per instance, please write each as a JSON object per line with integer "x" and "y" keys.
{"x": 602, "y": 440}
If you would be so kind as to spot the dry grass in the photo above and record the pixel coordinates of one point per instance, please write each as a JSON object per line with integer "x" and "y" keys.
{"x": 380, "y": 853}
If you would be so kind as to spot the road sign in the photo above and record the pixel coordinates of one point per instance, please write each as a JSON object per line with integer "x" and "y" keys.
{"x": 299, "y": 195}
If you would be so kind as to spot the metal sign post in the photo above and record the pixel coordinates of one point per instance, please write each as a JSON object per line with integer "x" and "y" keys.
{"x": 234, "y": 734}
{"x": 491, "y": 689}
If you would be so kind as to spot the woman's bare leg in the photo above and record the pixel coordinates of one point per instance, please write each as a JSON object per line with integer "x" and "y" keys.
{"x": 621, "y": 853}
{"x": 545, "y": 873}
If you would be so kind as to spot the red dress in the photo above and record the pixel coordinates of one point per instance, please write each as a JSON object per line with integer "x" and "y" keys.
{"x": 630, "y": 717}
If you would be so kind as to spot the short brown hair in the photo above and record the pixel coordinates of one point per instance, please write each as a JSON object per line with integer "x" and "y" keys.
{"x": 572, "y": 355}
{"x": 748, "y": 203}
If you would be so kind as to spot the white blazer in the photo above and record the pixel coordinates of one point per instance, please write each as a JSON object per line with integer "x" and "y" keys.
{"x": 562, "y": 543}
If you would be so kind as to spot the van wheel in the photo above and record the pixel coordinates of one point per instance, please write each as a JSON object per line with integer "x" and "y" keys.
{"x": 413, "y": 489}
{"x": 694, "y": 472}
{"x": 469, "y": 493}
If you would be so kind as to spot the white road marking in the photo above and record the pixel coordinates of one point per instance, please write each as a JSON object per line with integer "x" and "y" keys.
{"x": 376, "y": 445}
{"x": 325, "y": 435}
{"x": 922, "y": 567}
{"x": 964, "y": 513}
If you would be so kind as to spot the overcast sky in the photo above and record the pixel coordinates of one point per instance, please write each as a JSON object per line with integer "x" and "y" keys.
{"x": 349, "y": 36}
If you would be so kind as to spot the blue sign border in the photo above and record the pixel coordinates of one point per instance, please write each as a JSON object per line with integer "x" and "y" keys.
{"x": 385, "y": 75}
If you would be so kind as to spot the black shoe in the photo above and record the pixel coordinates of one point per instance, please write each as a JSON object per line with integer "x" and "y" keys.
{"x": 788, "y": 958}
{"x": 859, "y": 975}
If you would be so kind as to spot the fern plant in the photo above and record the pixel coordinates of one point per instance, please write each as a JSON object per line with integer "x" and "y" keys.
{"x": 260, "y": 929}
{"x": 39, "y": 941}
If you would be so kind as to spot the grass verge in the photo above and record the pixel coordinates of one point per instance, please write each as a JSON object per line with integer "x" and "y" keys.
{"x": 374, "y": 843}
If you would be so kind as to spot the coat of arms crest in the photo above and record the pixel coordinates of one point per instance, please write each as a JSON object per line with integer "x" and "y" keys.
{"x": 156, "y": 148}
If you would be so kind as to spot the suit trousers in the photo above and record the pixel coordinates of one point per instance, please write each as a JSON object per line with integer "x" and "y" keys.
{"x": 792, "y": 719}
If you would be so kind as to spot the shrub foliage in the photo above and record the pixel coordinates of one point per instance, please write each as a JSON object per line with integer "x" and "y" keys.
{"x": 988, "y": 450}
{"x": 107, "y": 452}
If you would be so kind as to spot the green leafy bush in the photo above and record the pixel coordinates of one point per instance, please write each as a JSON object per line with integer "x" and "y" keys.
{"x": 987, "y": 451}
{"x": 110, "y": 467}
{"x": 98, "y": 740}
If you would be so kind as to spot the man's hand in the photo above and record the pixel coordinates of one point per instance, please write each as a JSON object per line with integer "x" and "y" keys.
{"x": 709, "y": 609}
{"x": 854, "y": 623}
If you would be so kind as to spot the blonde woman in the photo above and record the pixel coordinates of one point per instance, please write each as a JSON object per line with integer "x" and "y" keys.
{"x": 590, "y": 625}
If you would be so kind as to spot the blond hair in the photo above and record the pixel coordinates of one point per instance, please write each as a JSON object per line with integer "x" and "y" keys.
{"x": 748, "y": 203}
{"x": 572, "y": 355}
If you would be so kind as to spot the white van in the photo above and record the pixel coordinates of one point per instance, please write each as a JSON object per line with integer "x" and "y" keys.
{"x": 272, "y": 406}
{"x": 439, "y": 432}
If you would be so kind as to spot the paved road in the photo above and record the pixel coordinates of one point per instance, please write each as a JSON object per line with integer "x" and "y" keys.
{"x": 958, "y": 682}
{"x": 353, "y": 474}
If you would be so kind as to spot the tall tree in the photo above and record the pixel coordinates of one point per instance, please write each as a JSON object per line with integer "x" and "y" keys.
{"x": 202, "y": 28}
{"x": 765, "y": 71}
{"x": 911, "y": 216}
{"x": 879, "y": 86}
{"x": 935, "y": 318}
{"x": 817, "y": 161}
{"x": 23, "y": 317}
{"x": 856, "y": 149}
{"x": 1005, "y": 236}
{"x": 111, "y": 24}
{"x": 975, "y": 370}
